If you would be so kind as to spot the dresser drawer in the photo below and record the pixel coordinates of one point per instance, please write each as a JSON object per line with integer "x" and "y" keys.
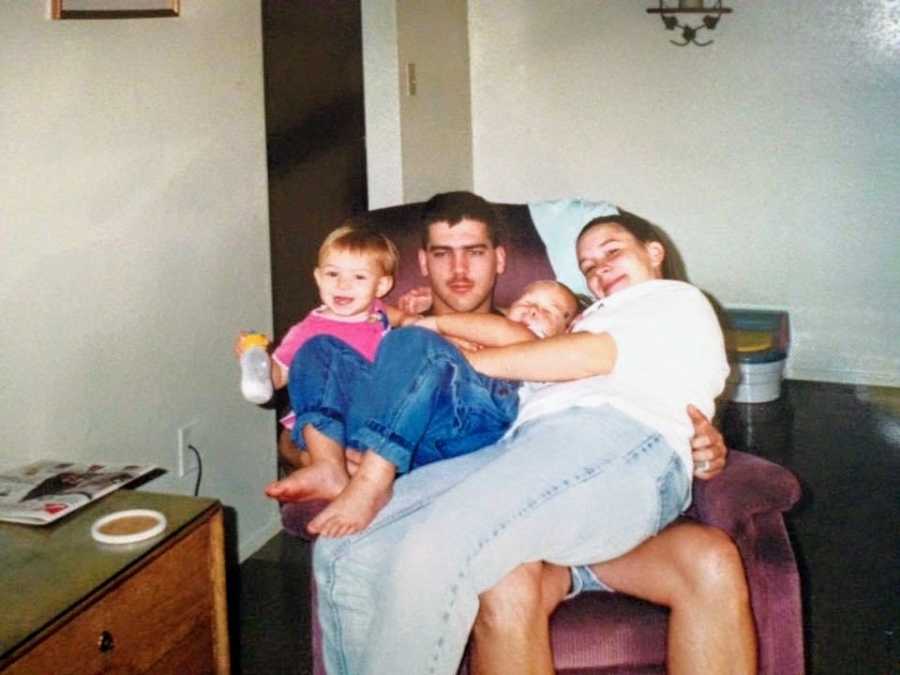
{"x": 158, "y": 619}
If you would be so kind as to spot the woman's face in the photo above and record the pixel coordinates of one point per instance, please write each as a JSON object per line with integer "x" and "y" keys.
{"x": 611, "y": 259}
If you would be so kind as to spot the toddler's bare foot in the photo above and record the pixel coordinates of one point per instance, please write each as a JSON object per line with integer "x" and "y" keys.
{"x": 359, "y": 503}
{"x": 320, "y": 480}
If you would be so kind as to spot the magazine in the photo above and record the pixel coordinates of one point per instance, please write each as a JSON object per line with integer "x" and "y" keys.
{"x": 44, "y": 491}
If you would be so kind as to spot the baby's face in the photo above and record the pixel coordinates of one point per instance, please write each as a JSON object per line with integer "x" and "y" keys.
{"x": 545, "y": 307}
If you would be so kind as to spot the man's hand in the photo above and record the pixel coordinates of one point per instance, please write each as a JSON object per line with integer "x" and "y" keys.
{"x": 416, "y": 301}
{"x": 707, "y": 446}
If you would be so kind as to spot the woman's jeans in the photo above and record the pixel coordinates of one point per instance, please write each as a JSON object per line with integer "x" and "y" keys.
{"x": 419, "y": 402}
{"x": 581, "y": 486}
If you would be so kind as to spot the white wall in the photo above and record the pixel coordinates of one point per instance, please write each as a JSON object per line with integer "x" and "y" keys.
{"x": 417, "y": 144}
{"x": 134, "y": 244}
{"x": 381, "y": 70}
{"x": 772, "y": 157}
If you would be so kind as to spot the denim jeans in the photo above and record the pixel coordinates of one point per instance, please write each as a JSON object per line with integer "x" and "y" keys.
{"x": 429, "y": 404}
{"x": 325, "y": 377}
{"x": 419, "y": 402}
{"x": 580, "y": 486}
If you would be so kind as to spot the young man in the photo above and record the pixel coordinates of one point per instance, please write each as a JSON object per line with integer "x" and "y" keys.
{"x": 692, "y": 568}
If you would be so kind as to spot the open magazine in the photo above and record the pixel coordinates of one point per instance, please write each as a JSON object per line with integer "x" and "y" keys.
{"x": 46, "y": 490}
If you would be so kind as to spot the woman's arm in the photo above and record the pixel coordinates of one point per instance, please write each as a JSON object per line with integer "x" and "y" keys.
{"x": 556, "y": 359}
{"x": 489, "y": 330}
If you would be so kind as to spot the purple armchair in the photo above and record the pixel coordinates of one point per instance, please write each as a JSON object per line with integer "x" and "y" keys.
{"x": 612, "y": 633}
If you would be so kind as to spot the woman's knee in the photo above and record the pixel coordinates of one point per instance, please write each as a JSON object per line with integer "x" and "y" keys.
{"x": 715, "y": 570}
{"x": 515, "y": 597}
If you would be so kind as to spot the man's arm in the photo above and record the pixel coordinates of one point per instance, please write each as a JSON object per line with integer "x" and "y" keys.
{"x": 488, "y": 330}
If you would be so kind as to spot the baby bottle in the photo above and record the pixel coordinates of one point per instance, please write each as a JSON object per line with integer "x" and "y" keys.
{"x": 256, "y": 376}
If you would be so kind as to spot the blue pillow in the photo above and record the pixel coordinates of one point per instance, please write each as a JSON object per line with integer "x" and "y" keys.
{"x": 558, "y": 222}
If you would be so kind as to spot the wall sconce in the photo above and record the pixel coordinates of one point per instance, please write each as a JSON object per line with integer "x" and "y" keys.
{"x": 671, "y": 19}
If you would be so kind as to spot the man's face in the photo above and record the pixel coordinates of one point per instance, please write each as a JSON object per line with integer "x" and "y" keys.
{"x": 463, "y": 265}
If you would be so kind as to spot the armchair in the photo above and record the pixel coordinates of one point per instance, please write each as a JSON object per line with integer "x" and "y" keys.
{"x": 608, "y": 632}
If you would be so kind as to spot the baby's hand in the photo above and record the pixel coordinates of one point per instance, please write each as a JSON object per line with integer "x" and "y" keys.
{"x": 415, "y": 301}
{"x": 238, "y": 343}
{"x": 238, "y": 346}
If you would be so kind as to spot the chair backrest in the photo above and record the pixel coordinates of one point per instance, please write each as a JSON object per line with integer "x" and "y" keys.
{"x": 526, "y": 254}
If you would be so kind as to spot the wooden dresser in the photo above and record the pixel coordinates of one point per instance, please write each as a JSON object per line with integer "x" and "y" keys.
{"x": 69, "y": 605}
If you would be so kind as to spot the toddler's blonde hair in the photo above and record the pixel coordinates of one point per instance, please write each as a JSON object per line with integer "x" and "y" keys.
{"x": 362, "y": 240}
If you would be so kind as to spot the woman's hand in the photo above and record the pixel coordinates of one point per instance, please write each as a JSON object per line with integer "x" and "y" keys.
{"x": 465, "y": 346}
{"x": 416, "y": 301}
{"x": 707, "y": 446}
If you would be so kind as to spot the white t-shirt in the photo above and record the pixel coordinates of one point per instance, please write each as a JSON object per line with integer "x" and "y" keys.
{"x": 670, "y": 352}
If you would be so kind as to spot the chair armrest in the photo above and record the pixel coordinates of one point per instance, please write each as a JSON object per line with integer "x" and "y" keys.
{"x": 749, "y": 485}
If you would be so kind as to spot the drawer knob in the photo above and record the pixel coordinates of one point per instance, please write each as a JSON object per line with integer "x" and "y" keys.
{"x": 105, "y": 642}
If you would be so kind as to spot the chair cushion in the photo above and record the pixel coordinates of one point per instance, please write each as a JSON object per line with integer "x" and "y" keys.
{"x": 595, "y": 631}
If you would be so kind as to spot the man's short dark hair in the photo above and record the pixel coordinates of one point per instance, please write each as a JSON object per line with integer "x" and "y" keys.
{"x": 454, "y": 207}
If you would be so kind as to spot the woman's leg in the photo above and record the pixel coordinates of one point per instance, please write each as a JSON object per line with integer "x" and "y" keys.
{"x": 511, "y": 632}
{"x": 693, "y": 569}
{"x": 535, "y": 501}
{"x": 696, "y": 571}
{"x": 350, "y": 571}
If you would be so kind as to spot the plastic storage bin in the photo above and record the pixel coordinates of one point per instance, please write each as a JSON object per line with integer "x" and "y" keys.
{"x": 757, "y": 342}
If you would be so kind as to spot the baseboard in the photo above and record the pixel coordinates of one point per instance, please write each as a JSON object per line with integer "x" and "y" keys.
{"x": 256, "y": 540}
{"x": 842, "y": 376}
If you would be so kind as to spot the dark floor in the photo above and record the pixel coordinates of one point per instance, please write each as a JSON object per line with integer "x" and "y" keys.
{"x": 843, "y": 442}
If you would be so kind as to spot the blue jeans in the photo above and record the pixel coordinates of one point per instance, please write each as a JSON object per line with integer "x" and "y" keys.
{"x": 325, "y": 377}
{"x": 420, "y": 401}
{"x": 576, "y": 487}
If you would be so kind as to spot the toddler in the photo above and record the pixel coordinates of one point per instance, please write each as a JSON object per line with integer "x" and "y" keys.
{"x": 544, "y": 310}
{"x": 356, "y": 267}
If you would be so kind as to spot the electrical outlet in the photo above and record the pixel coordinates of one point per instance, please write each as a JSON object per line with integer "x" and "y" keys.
{"x": 186, "y": 460}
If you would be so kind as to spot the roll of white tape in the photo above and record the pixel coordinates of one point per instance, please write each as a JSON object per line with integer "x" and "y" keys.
{"x": 128, "y": 527}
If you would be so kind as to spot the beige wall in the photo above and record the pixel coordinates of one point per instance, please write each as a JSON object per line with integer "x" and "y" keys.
{"x": 134, "y": 244}
{"x": 436, "y": 121}
{"x": 772, "y": 156}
